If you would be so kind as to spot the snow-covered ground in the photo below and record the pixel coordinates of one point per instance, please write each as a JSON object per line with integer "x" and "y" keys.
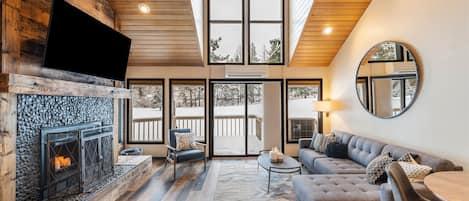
{"x": 300, "y": 108}
{"x": 229, "y": 136}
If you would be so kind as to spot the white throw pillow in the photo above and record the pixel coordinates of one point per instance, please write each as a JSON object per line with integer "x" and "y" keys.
{"x": 415, "y": 172}
{"x": 185, "y": 141}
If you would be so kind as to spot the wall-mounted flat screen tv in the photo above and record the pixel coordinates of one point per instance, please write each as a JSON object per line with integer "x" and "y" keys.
{"x": 80, "y": 43}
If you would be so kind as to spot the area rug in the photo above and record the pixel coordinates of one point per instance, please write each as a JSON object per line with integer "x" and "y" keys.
{"x": 241, "y": 180}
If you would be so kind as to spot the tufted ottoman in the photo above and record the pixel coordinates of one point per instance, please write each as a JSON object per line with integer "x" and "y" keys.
{"x": 346, "y": 187}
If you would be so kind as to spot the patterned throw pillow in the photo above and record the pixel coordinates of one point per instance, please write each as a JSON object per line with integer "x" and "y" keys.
{"x": 311, "y": 145}
{"x": 408, "y": 157}
{"x": 327, "y": 139}
{"x": 185, "y": 141}
{"x": 318, "y": 141}
{"x": 375, "y": 171}
{"x": 415, "y": 172}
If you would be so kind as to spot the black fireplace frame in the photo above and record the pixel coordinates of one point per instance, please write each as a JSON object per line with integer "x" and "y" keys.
{"x": 82, "y": 132}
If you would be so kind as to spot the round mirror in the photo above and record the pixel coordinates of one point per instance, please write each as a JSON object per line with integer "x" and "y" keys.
{"x": 387, "y": 79}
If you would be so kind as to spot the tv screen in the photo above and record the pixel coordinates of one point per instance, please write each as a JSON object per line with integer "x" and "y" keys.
{"x": 79, "y": 43}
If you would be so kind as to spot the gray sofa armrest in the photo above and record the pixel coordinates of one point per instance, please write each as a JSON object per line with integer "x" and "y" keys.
{"x": 304, "y": 142}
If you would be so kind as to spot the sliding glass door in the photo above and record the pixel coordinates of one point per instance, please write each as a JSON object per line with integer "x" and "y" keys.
{"x": 246, "y": 118}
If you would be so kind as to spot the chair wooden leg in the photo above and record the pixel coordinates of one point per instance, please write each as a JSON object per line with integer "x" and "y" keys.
{"x": 205, "y": 164}
{"x": 174, "y": 174}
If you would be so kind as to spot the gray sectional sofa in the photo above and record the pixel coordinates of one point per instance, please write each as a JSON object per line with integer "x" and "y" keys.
{"x": 334, "y": 179}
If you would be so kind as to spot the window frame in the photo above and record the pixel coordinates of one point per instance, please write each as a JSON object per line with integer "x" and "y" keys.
{"x": 242, "y": 22}
{"x": 403, "y": 79}
{"x": 282, "y": 22}
{"x": 129, "y": 110}
{"x": 205, "y": 102}
{"x": 320, "y": 114}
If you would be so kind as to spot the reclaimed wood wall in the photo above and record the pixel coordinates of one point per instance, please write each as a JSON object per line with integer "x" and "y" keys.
{"x": 24, "y": 31}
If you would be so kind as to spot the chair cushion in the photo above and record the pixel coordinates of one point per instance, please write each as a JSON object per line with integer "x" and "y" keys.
{"x": 334, "y": 188}
{"x": 307, "y": 157}
{"x": 363, "y": 150}
{"x": 337, "y": 166}
{"x": 172, "y": 137}
{"x": 188, "y": 155}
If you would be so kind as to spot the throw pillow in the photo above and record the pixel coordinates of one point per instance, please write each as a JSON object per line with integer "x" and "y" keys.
{"x": 185, "y": 141}
{"x": 327, "y": 139}
{"x": 311, "y": 145}
{"x": 408, "y": 157}
{"x": 318, "y": 141}
{"x": 336, "y": 150}
{"x": 375, "y": 171}
{"x": 415, "y": 172}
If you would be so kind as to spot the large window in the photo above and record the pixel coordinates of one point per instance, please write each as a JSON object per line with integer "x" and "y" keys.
{"x": 226, "y": 19}
{"x": 302, "y": 120}
{"x": 188, "y": 106}
{"x": 146, "y": 112}
{"x": 265, "y": 32}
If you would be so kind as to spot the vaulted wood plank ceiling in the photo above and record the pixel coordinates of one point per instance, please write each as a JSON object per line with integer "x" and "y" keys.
{"x": 317, "y": 49}
{"x": 166, "y": 36}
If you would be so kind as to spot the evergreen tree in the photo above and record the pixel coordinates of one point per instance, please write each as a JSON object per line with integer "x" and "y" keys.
{"x": 275, "y": 52}
{"x": 214, "y": 45}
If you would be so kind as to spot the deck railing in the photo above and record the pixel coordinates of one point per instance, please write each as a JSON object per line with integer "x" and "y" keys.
{"x": 149, "y": 130}
{"x": 146, "y": 130}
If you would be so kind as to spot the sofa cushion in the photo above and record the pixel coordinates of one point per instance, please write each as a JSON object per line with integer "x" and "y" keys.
{"x": 363, "y": 150}
{"x": 334, "y": 188}
{"x": 327, "y": 139}
{"x": 375, "y": 171}
{"x": 437, "y": 164}
{"x": 311, "y": 145}
{"x": 307, "y": 157}
{"x": 337, "y": 166}
{"x": 336, "y": 150}
{"x": 318, "y": 141}
{"x": 386, "y": 191}
{"x": 342, "y": 137}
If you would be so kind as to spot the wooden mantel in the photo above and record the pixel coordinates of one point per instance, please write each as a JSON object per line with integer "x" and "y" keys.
{"x": 25, "y": 84}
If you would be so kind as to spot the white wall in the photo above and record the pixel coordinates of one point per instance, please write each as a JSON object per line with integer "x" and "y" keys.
{"x": 438, "y": 30}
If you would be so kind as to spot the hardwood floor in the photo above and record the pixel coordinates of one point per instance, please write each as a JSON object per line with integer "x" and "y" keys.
{"x": 217, "y": 183}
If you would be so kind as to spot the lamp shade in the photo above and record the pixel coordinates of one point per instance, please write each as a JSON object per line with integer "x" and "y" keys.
{"x": 324, "y": 106}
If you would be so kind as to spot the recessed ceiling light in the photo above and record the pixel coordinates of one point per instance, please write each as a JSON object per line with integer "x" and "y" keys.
{"x": 144, "y": 8}
{"x": 327, "y": 31}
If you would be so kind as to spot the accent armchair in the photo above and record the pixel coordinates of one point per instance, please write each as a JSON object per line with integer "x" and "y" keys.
{"x": 175, "y": 157}
{"x": 402, "y": 190}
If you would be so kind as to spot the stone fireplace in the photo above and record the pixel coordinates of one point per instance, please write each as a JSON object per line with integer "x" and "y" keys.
{"x": 78, "y": 152}
{"x": 75, "y": 158}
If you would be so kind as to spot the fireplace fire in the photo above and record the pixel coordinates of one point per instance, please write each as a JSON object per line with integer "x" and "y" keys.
{"x": 62, "y": 162}
{"x": 75, "y": 158}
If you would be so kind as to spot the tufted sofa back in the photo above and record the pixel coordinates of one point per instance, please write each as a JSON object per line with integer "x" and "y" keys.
{"x": 436, "y": 163}
{"x": 342, "y": 137}
{"x": 363, "y": 150}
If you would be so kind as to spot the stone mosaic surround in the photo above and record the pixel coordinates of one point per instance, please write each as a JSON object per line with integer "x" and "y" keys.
{"x": 36, "y": 112}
